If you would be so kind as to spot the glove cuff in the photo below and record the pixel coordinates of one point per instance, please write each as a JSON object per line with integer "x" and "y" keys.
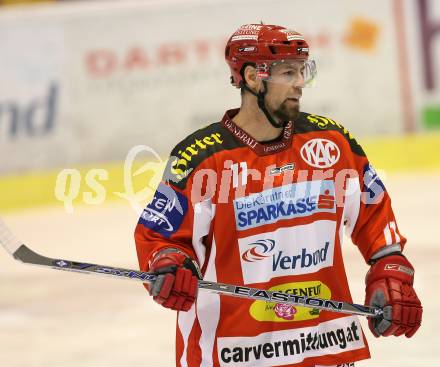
{"x": 391, "y": 266}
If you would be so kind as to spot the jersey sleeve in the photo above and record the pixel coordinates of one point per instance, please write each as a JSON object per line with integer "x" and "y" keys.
{"x": 165, "y": 222}
{"x": 369, "y": 217}
{"x": 172, "y": 219}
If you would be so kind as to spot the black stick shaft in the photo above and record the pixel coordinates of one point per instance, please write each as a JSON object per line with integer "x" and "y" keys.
{"x": 26, "y": 255}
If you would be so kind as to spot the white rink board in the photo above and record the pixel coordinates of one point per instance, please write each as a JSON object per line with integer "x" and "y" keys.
{"x": 425, "y": 80}
{"x": 88, "y": 81}
{"x": 51, "y": 318}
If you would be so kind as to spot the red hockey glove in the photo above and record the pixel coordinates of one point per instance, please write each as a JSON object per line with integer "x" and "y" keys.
{"x": 389, "y": 285}
{"x": 176, "y": 284}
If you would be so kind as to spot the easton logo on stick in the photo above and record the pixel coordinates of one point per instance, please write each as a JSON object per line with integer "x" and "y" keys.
{"x": 280, "y": 296}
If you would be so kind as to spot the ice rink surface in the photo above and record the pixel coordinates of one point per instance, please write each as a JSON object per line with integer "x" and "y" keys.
{"x": 60, "y": 319}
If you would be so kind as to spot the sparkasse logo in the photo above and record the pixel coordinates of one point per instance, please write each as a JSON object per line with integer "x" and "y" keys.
{"x": 320, "y": 153}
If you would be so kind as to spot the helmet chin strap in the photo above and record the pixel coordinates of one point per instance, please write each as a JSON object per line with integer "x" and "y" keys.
{"x": 262, "y": 105}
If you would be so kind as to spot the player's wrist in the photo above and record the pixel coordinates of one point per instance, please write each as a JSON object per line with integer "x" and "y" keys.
{"x": 395, "y": 249}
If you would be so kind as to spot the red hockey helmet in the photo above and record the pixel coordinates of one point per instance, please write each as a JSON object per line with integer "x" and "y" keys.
{"x": 262, "y": 45}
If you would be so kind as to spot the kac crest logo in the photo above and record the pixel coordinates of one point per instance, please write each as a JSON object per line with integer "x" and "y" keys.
{"x": 320, "y": 153}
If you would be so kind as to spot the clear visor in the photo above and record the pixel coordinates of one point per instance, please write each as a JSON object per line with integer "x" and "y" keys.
{"x": 299, "y": 73}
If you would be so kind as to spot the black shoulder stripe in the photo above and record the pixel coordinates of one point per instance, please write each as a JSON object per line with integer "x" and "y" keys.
{"x": 194, "y": 149}
{"x": 310, "y": 122}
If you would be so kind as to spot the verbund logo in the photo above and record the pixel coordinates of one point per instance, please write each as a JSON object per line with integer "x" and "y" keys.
{"x": 287, "y": 251}
{"x": 320, "y": 153}
{"x": 259, "y": 250}
{"x": 34, "y": 118}
{"x": 303, "y": 259}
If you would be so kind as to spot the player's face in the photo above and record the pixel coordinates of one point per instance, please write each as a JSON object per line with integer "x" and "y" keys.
{"x": 285, "y": 89}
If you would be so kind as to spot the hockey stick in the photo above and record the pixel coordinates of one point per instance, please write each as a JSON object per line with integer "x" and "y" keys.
{"x": 24, "y": 254}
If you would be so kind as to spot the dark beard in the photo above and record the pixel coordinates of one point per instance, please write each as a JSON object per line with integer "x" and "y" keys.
{"x": 284, "y": 113}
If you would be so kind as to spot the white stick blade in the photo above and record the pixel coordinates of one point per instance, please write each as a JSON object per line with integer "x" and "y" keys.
{"x": 7, "y": 239}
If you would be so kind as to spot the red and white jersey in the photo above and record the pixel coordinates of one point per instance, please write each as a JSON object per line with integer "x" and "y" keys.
{"x": 268, "y": 215}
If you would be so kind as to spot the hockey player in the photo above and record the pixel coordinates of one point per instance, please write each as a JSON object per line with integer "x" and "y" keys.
{"x": 261, "y": 199}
